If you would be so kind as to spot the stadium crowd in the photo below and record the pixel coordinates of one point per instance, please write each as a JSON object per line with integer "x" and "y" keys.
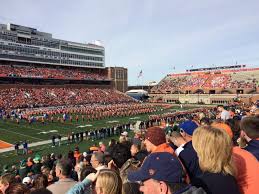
{"x": 49, "y": 73}
{"x": 171, "y": 83}
{"x": 212, "y": 150}
{"x": 13, "y": 98}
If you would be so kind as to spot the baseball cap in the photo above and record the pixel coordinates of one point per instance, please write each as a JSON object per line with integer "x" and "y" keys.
{"x": 84, "y": 154}
{"x": 160, "y": 166}
{"x": 26, "y": 180}
{"x": 188, "y": 127}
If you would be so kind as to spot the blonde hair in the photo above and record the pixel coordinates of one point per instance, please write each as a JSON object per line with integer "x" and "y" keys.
{"x": 109, "y": 182}
{"x": 122, "y": 139}
{"x": 7, "y": 178}
{"x": 214, "y": 149}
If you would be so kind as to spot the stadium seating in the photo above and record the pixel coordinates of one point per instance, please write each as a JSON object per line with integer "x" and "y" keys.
{"x": 49, "y": 73}
{"x": 217, "y": 79}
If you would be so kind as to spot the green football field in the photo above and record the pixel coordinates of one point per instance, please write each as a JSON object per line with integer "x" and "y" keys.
{"x": 12, "y": 132}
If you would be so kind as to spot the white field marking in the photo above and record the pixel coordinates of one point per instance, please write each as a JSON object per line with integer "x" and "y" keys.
{"x": 132, "y": 118}
{"x": 53, "y": 131}
{"x": 20, "y": 134}
{"x": 26, "y": 127}
{"x": 112, "y": 121}
{"x": 46, "y": 132}
{"x": 82, "y": 126}
{"x": 43, "y": 132}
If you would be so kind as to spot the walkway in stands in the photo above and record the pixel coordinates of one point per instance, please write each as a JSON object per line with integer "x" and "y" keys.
{"x": 31, "y": 145}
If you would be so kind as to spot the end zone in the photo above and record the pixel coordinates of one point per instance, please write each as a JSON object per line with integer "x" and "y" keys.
{"x": 4, "y": 144}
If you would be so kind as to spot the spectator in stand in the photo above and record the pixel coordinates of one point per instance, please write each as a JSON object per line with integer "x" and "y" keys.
{"x": 51, "y": 72}
{"x": 41, "y": 191}
{"x": 97, "y": 160}
{"x": 130, "y": 188}
{"x": 29, "y": 162}
{"x": 36, "y": 167}
{"x": 246, "y": 164}
{"x": 137, "y": 153}
{"x": 27, "y": 181}
{"x": 77, "y": 153}
{"x": 185, "y": 151}
{"x": 17, "y": 188}
{"x": 214, "y": 149}
{"x": 102, "y": 146}
{"x": 40, "y": 182}
{"x": 162, "y": 173}
{"x": 24, "y": 169}
{"x": 85, "y": 172}
{"x": 250, "y": 132}
{"x": 108, "y": 182}
{"x": 137, "y": 139}
{"x": 155, "y": 141}
{"x": 63, "y": 172}
{"x": 5, "y": 181}
{"x": 224, "y": 114}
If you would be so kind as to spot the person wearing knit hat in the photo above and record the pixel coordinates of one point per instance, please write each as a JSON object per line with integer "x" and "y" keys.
{"x": 36, "y": 167}
{"x": 155, "y": 140}
{"x": 224, "y": 126}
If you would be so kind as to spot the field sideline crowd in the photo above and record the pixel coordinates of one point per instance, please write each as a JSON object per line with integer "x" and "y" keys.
{"x": 206, "y": 150}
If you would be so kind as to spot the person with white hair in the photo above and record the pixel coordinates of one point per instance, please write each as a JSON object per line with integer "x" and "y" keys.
{"x": 97, "y": 161}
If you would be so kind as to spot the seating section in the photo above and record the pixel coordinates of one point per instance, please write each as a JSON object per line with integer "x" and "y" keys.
{"x": 50, "y": 73}
{"x": 220, "y": 79}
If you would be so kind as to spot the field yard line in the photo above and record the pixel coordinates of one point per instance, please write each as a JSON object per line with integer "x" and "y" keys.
{"x": 27, "y": 127}
{"x": 20, "y": 134}
{"x": 16, "y": 125}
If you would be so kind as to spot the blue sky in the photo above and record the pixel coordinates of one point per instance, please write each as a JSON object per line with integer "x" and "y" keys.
{"x": 150, "y": 35}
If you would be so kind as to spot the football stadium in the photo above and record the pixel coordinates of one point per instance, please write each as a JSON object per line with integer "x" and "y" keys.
{"x": 64, "y": 115}
{"x": 51, "y": 88}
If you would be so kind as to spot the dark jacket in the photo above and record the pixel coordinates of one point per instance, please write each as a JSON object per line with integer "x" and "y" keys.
{"x": 191, "y": 190}
{"x": 36, "y": 168}
{"x": 23, "y": 171}
{"x": 253, "y": 148}
{"x": 217, "y": 183}
{"x": 141, "y": 155}
{"x": 190, "y": 160}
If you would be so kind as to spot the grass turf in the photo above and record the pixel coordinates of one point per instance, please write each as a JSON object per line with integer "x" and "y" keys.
{"x": 11, "y": 132}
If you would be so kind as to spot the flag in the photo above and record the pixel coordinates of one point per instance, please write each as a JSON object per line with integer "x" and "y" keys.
{"x": 140, "y": 74}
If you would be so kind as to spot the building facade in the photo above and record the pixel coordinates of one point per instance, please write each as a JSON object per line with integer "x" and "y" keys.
{"x": 119, "y": 77}
{"x": 24, "y": 44}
